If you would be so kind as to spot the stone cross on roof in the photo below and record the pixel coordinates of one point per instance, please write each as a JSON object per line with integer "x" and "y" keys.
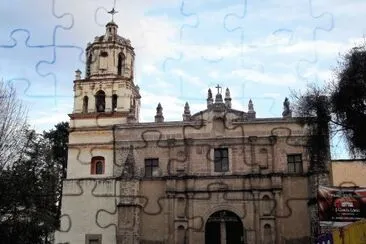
{"x": 218, "y": 88}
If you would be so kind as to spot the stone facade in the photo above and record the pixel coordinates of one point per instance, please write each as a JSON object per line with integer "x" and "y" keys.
{"x": 348, "y": 173}
{"x": 163, "y": 182}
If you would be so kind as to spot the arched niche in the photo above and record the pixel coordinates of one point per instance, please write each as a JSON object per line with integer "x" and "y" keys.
{"x": 121, "y": 63}
{"x": 100, "y": 101}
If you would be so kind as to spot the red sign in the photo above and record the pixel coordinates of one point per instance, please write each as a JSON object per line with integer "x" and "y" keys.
{"x": 341, "y": 204}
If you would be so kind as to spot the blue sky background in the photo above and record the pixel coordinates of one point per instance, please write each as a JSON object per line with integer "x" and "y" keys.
{"x": 259, "y": 49}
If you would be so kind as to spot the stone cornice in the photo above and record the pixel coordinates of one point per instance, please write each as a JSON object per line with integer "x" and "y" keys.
{"x": 106, "y": 115}
{"x": 170, "y": 124}
{"x": 96, "y": 80}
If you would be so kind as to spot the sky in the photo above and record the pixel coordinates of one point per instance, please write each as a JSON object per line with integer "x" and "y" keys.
{"x": 260, "y": 50}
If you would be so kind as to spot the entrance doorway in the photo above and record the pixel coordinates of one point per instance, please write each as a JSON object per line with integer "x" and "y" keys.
{"x": 224, "y": 227}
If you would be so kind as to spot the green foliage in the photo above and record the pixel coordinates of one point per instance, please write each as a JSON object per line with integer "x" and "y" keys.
{"x": 59, "y": 139}
{"x": 30, "y": 188}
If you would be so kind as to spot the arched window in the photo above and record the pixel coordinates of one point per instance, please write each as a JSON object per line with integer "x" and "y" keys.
{"x": 267, "y": 234}
{"x": 121, "y": 64}
{"x": 97, "y": 166}
{"x": 114, "y": 102}
{"x": 85, "y": 104}
{"x": 88, "y": 64}
{"x": 100, "y": 101}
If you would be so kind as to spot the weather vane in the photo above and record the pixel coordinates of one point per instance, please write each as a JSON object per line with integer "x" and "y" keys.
{"x": 113, "y": 12}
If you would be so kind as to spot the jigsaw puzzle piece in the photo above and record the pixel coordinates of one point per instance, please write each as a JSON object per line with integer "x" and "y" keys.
{"x": 99, "y": 220}
{"x": 98, "y": 17}
{"x": 64, "y": 58}
{"x": 191, "y": 56}
{"x": 18, "y": 58}
{"x": 307, "y": 68}
{"x": 41, "y": 22}
{"x": 291, "y": 38}
{"x": 177, "y": 77}
{"x": 201, "y": 28}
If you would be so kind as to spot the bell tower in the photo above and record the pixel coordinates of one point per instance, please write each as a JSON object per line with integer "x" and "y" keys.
{"x": 107, "y": 94}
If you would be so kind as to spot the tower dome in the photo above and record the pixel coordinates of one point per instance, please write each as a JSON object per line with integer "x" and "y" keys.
{"x": 110, "y": 55}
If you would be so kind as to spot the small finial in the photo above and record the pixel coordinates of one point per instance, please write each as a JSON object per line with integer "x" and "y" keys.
{"x": 209, "y": 95}
{"x": 251, "y": 112}
{"x": 159, "y": 114}
{"x": 250, "y": 105}
{"x": 186, "y": 108}
{"x": 209, "y": 98}
{"x": 227, "y": 93}
{"x": 227, "y": 98}
{"x": 77, "y": 74}
{"x": 187, "y": 112}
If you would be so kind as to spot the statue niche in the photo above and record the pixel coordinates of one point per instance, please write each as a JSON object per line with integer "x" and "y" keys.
{"x": 218, "y": 126}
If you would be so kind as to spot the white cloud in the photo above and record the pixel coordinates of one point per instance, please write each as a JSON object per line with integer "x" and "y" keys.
{"x": 266, "y": 78}
{"x": 150, "y": 69}
{"x": 272, "y": 95}
{"x": 47, "y": 121}
{"x": 305, "y": 47}
{"x": 172, "y": 106}
{"x": 194, "y": 80}
{"x": 213, "y": 74}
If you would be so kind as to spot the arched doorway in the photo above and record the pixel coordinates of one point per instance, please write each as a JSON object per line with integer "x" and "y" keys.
{"x": 224, "y": 227}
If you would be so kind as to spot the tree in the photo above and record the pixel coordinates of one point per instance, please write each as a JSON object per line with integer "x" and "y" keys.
{"x": 31, "y": 188}
{"x": 348, "y": 97}
{"x": 58, "y": 139}
{"x": 12, "y": 125}
{"x": 28, "y": 198}
{"x": 340, "y": 104}
{"x": 314, "y": 110}
{"x": 32, "y": 167}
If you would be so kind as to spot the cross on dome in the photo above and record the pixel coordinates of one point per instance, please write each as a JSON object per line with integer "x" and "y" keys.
{"x": 113, "y": 12}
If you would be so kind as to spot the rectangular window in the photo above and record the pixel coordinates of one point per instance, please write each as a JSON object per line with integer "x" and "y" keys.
{"x": 93, "y": 239}
{"x": 221, "y": 160}
{"x": 151, "y": 167}
{"x": 294, "y": 163}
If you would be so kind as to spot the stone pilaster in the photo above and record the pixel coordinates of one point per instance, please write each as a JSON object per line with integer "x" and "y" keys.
{"x": 256, "y": 217}
{"x": 128, "y": 230}
{"x": 278, "y": 212}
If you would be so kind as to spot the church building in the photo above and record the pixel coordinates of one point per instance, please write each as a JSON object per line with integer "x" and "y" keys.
{"x": 217, "y": 176}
